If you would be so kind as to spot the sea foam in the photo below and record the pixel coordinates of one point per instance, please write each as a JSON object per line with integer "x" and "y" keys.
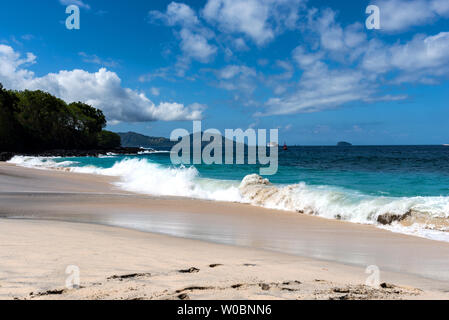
{"x": 425, "y": 216}
{"x": 40, "y": 162}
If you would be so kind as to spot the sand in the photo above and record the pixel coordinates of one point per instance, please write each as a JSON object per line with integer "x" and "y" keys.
{"x": 129, "y": 246}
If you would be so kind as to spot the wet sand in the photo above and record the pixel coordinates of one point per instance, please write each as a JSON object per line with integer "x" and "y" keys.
{"x": 306, "y": 244}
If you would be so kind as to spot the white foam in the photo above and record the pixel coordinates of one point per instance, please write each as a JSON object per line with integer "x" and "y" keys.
{"x": 152, "y": 151}
{"x": 143, "y": 176}
{"x": 332, "y": 202}
{"x": 419, "y": 230}
{"x": 40, "y": 162}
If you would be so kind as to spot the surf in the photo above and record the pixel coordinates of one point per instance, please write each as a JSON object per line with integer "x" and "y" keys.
{"x": 420, "y": 216}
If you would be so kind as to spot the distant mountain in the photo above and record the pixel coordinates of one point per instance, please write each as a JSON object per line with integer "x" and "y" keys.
{"x": 132, "y": 139}
{"x": 344, "y": 144}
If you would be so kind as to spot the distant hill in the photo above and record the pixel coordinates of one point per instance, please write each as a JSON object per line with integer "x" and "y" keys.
{"x": 344, "y": 144}
{"x": 132, "y": 139}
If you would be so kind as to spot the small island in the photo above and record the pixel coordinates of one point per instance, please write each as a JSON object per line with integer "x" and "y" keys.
{"x": 344, "y": 144}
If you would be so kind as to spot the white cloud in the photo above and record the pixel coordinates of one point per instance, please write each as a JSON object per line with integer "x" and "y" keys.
{"x": 321, "y": 88}
{"x": 441, "y": 7}
{"x": 194, "y": 37}
{"x": 419, "y": 60}
{"x": 102, "y": 89}
{"x": 78, "y": 3}
{"x": 232, "y": 71}
{"x": 259, "y": 20}
{"x": 347, "y": 44}
{"x": 176, "y": 14}
{"x": 162, "y": 73}
{"x": 305, "y": 59}
{"x": 359, "y": 67}
{"x": 248, "y": 17}
{"x": 240, "y": 44}
{"x": 11, "y": 75}
{"x": 196, "y": 46}
{"x": 399, "y": 15}
{"x": 422, "y": 53}
{"x": 27, "y": 37}
{"x": 92, "y": 58}
{"x": 155, "y": 91}
{"x": 237, "y": 77}
{"x": 338, "y": 64}
{"x": 339, "y": 43}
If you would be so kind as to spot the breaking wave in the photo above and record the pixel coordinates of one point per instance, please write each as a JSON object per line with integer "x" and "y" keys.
{"x": 420, "y": 216}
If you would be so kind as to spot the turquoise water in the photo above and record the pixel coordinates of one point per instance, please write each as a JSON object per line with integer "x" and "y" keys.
{"x": 356, "y": 184}
{"x": 399, "y": 171}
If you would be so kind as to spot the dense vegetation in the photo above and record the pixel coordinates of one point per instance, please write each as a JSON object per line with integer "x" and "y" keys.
{"x": 36, "y": 120}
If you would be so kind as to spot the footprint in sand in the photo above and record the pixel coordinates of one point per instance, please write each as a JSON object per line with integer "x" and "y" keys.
{"x": 129, "y": 276}
{"x": 190, "y": 270}
{"x": 215, "y": 265}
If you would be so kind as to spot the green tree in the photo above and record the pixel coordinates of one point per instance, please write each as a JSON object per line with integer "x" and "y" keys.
{"x": 10, "y": 129}
{"x": 44, "y": 118}
{"x": 87, "y": 122}
{"x": 37, "y": 120}
{"x": 108, "y": 140}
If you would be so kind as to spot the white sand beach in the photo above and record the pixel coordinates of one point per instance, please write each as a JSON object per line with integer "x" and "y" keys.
{"x": 130, "y": 246}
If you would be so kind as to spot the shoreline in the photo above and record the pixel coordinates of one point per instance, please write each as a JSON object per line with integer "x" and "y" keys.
{"x": 412, "y": 215}
{"x": 8, "y": 155}
{"x": 39, "y": 194}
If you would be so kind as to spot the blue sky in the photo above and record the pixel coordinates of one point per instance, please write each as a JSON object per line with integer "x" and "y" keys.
{"x": 310, "y": 68}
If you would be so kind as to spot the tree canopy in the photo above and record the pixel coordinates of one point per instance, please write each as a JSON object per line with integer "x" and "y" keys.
{"x": 37, "y": 120}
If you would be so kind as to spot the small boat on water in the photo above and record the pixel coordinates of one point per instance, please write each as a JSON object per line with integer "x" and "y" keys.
{"x": 285, "y": 148}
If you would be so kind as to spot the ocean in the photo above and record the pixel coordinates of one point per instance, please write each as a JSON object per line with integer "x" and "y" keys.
{"x": 356, "y": 184}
